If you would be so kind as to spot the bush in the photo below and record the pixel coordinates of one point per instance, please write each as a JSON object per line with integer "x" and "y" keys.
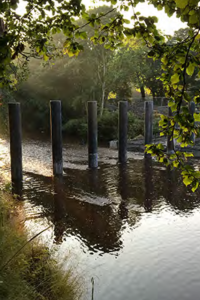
{"x": 107, "y": 127}
{"x": 135, "y": 126}
{"x": 77, "y": 128}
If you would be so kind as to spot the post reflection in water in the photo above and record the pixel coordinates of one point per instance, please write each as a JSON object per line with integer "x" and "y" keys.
{"x": 177, "y": 195}
{"x": 92, "y": 222}
{"x": 123, "y": 191}
{"x": 94, "y": 206}
{"x": 93, "y": 180}
{"x": 148, "y": 183}
{"x": 170, "y": 186}
{"x": 59, "y": 209}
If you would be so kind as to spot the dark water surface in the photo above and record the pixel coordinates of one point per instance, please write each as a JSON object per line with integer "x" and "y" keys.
{"x": 135, "y": 230}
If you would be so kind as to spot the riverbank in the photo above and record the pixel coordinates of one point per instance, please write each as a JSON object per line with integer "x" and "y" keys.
{"x": 30, "y": 273}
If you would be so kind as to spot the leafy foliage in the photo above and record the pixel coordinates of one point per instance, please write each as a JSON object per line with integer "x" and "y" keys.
{"x": 107, "y": 127}
{"x": 131, "y": 66}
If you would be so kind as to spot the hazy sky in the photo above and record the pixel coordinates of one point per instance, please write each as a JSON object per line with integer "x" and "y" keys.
{"x": 166, "y": 24}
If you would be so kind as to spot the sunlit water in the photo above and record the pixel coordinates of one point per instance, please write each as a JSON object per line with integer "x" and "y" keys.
{"x": 134, "y": 230}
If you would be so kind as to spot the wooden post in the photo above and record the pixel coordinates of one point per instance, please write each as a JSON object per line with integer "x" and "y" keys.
{"x": 92, "y": 135}
{"x": 15, "y": 146}
{"x": 123, "y": 126}
{"x": 170, "y": 140}
{"x": 56, "y": 137}
{"x": 148, "y": 129}
{"x": 148, "y": 124}
{"x": 192, "y": 111}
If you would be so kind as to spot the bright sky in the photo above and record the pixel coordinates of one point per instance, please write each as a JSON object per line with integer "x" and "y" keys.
{"x": 166, "y": 24}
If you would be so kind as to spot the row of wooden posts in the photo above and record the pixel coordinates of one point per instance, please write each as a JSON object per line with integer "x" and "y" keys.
{"x": 56, "y": 135}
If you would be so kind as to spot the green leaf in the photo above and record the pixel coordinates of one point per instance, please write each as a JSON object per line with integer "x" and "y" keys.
{"x": 190, "y": 69}
{"x": 181, "y": 3}
{"x": 195, "y": 186}
{"x": 188, "y": 154}
{"x": 175, "y": 163}
{"x": 54, "y": 30}
{"x": 193, "y": 19}
{"x": 196, "y": 117}
{"x": 159, "y": 7}
{"x": 83, "y": 35}
{"x": 45, "y": 57}
{"x": 126, "y": 21}
{"x": 164, "y": 60}
{"x": 187, "y": 180}
{"x": 170, "y": 103}
{"x": 175, "y": 78}
{"x": 187, "y": 96}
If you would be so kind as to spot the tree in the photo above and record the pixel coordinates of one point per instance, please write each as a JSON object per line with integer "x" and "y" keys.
{"x": 30, "y": 35}
{"x": 97, "y": 54}
{"x": 132, "y": 65}
{"x": 75, "y": 80}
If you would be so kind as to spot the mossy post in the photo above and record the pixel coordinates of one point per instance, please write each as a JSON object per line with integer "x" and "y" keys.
{"x": 148, "y": 124}
{"x": 170, "y": 140}
{"x": 56, "y": 137}
{"x": 123, "y": 126}
{"x": 192, "y": 111}
{"x": 92, "y": 135}
{"x": 15, "y": 146}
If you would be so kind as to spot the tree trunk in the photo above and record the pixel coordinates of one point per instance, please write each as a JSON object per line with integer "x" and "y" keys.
{"x": 102, "y": 98}
{"x": 142, "y": 91}
{"x": 103, "y": 85}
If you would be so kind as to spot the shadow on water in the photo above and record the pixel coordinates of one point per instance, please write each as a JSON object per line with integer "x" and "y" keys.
{"x": 123, "y": 191}
{"x": 95, "y": 206}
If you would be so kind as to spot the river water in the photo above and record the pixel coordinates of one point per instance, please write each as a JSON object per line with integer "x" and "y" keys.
{"x": 133, "y": 231}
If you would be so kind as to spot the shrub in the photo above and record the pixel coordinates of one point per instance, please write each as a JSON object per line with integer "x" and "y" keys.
{"x": 107, "y": 127}
{"x": 76, "y": 127}
{"x": 135, "y": 126}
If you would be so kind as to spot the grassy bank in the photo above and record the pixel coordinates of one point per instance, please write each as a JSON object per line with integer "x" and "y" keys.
{"x": 32, "y": 274}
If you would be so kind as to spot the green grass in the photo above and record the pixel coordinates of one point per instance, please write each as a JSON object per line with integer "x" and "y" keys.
{"x": 33, "y": 274}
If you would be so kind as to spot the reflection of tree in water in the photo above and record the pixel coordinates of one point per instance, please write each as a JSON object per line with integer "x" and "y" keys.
{"x": 141, "y": 186}
{"x": 166, "y": 186}
{"x": 182, "y": 199}
{"x": 150, "y": 186}
{"x": 97, "y": 226}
